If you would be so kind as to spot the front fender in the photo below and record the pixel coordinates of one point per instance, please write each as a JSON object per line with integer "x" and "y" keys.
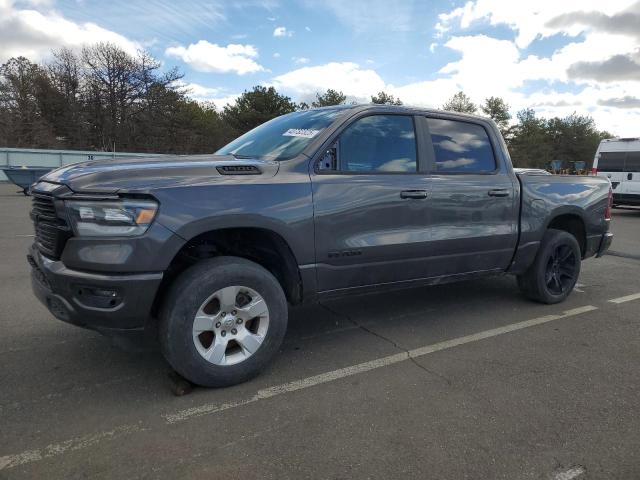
{"x": 285, "y": 209}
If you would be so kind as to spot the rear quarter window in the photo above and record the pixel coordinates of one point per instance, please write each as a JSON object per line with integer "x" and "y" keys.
{"x": 461, "y": 147}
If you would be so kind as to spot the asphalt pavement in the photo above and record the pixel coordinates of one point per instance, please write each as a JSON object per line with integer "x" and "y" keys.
{"x": 466, "y": 380}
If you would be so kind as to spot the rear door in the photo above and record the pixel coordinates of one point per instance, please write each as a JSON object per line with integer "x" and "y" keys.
{"x": 632, "y": 173}
{"x": 474, "y": 199}
{"x": 611, "y": 165}
{"x": 370, "y": 196}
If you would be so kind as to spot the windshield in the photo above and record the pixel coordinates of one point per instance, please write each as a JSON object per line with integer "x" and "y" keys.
{"x": 283, "y": 137}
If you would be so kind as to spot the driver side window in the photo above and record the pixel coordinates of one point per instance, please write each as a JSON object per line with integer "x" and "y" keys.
{"x": 378, "y": 144}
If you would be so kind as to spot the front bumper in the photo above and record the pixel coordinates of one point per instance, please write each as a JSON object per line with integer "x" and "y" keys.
{"x": 104, "y": 302}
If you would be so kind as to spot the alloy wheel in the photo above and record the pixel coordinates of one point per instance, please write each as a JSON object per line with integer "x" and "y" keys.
{"x": 560, "y": 274}
{"x": 230, "y": 325}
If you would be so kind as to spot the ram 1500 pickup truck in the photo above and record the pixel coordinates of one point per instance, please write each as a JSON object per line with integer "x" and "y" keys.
{"x": 207, "y": 251}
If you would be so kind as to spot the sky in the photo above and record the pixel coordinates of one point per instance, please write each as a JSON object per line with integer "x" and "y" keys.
{"x": 555, "y": 56}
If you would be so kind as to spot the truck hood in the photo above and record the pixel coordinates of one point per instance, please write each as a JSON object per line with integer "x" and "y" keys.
{"x": 142, "y": 174}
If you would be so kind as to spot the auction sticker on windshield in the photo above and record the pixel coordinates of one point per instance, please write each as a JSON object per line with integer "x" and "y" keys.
{"x": 301, "y": 132}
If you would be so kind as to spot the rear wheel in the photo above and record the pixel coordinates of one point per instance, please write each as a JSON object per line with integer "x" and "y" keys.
{"x": 555, "y": 270}
{"x": 223, "y": 321}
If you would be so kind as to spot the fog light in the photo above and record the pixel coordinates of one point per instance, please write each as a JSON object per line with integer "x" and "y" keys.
{"x": 97, "y": 297}
{"x": 101, "y": 292}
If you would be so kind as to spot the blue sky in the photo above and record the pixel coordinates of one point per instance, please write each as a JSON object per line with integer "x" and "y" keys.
{"x": 557, "y": 57}
{"x": 313, "y": 32}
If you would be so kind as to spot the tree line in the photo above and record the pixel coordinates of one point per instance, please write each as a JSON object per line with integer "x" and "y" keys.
{"x": 105, "y": 99}
{"x": 534, "y": 141}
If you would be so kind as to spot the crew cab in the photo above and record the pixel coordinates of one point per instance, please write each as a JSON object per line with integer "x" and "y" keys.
{"x": 207, "y": 251}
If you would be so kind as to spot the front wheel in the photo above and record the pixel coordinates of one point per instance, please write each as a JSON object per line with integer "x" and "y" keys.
{"x": 555, "y": 270}
{"x": 223, "y": 321}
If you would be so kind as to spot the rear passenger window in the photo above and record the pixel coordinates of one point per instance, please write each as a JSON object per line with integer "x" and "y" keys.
{"x": 632, "y": 163}
{"x": 379, "y": 143}
{"x": 461, "y": 147}
{"x": 611, "y": 161}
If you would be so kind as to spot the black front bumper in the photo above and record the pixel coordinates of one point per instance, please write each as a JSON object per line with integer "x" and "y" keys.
{"x": 109, "y": 303}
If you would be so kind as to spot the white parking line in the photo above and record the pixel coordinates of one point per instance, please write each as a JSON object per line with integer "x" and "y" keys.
{"x": 210, "y": 408}
{"x": 55, "y": 449}
{"x": 570, "y": 474}
{"x": 86, "y": 441}
{"x": 627, "y": 298}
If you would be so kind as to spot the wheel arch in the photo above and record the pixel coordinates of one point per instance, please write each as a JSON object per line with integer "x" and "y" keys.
{"x": 573, "y": 222}
{"x": 263, "y": 246}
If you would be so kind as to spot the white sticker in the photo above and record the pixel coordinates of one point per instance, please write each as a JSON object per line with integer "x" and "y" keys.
{"x": 300, "y": 132}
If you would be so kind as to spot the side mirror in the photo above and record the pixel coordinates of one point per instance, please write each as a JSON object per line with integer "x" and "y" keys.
{"x": 328, "y": 160}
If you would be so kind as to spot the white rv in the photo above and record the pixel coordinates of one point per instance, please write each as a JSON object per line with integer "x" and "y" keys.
{"x": 618, "y": 159}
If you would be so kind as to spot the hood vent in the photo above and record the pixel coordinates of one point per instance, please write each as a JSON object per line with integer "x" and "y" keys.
{"x": 239, "y": 170}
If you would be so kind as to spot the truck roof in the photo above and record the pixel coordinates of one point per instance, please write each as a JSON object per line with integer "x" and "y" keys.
{"x": 403, "y": 109}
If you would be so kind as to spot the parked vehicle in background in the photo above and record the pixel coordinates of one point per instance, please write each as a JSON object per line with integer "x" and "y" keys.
{"x": 313, "y": 204}
{"x": 618, "y": 159}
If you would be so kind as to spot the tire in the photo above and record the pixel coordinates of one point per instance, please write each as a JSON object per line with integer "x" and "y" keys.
{"x": 550, "y": 279}
{"x": 205, "y": 289}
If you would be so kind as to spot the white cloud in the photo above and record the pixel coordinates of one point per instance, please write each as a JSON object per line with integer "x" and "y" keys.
{"x": 347, "y": 77}
{"x": 300, "y": 60}
{"x": 308, "y": 29}
{"x": 34, "y": 33}
{"x": 276, "y": 55}
{"x": 219, "y": 97}
{"x": 529, "y": 19}
{"x": 594, "y": 68}
{"x": 210, "y": 57}
{"x": 221, "y": 102}
{"x": 197, "y": 91}
{"x": 503, "y": 73}
{"x": 282, "y": 32}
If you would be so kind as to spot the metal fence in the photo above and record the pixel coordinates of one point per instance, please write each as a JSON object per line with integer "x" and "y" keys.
{"x": 32, "y": 157}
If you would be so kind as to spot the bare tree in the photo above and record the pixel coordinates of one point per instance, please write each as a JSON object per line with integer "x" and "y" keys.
{"x": 22, "y": 122}
{"x": 117, "y": 85}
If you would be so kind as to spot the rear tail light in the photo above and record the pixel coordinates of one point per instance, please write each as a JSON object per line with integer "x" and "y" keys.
{"x": 607, "y": 212}
{"x": 594, "y": 171}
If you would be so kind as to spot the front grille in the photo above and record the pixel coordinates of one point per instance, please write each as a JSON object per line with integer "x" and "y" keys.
{"x": 51, "y": 231}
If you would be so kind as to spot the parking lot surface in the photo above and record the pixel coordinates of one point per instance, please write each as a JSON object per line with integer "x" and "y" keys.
{"x": 466, "y": 380}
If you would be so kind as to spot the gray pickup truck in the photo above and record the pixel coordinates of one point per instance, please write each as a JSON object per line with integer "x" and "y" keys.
{"x": 207, "y": 251}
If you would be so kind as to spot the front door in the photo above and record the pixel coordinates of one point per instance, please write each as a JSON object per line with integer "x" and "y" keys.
{"x": 371, "y": 206}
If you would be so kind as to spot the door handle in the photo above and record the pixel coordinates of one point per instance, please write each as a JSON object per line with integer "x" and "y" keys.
{"x": 499, "y": 192}
{"x": 417, "y": 194}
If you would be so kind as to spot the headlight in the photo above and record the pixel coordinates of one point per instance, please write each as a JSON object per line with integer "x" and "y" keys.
{"x": 120, "y": 218}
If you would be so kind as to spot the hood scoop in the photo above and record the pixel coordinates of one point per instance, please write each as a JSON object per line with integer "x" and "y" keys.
{"x": 239, "y": 170}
